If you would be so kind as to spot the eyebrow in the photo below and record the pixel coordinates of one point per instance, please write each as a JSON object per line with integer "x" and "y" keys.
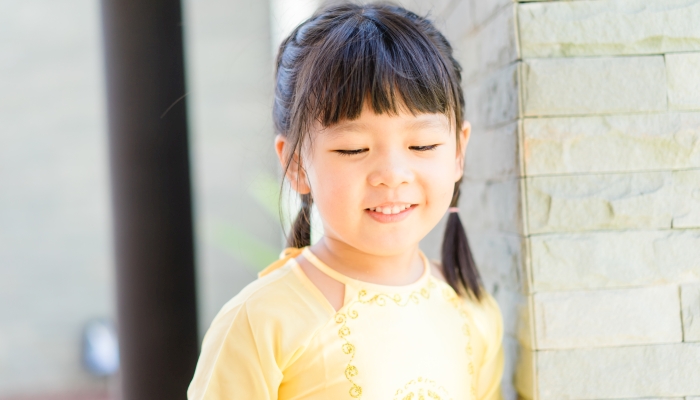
{"x": 428, "y": 123}
{"x": 346, "y": 126}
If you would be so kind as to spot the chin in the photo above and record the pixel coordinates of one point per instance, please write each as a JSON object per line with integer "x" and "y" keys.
{"x": 386, "y": 246}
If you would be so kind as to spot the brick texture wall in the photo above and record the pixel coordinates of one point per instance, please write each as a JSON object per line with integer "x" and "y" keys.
{"x": 582, "y": 191}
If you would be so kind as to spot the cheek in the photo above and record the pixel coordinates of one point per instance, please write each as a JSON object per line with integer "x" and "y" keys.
{"x": 336, "y": 189}
{"x": 439, "y": 180}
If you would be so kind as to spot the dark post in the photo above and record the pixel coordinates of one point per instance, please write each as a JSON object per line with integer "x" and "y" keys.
{"x": 151, "y": 197}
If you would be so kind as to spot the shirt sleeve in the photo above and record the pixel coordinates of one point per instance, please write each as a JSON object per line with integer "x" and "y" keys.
{"x": 237, "y": 361}
{"x": 490, "y": 370}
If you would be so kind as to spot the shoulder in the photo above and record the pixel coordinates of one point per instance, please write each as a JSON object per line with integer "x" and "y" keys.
{"x": 276, "y": 312}
{"x": 487, "y": 320}
{"x": 268, "y": 324}
{"x": 255, "y": 336}
{"x": 484, "y": 312}
{"x": 275, "y": 297}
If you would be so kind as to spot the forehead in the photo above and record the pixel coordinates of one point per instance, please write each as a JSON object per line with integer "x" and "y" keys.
{"x": 405, "y": 121}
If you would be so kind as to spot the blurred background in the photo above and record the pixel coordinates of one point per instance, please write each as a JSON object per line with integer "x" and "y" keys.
{"x": 56, "y": 252}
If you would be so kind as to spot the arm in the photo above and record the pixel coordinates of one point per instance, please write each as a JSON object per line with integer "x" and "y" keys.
{"x": 489, "y": 384}
{"x": 237, "y": 362}
{"x": 490, "y": 371}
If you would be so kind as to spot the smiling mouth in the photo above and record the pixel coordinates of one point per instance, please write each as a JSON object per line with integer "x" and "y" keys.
{"x": 392, "y": 209}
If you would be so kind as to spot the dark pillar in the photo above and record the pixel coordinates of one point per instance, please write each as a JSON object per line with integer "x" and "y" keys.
{"x": 151, "y": 197}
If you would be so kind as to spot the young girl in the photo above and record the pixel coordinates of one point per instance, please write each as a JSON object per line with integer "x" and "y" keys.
{"x": 368, "y": 111}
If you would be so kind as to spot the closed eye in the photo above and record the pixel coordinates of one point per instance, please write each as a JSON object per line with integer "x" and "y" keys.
{"x": 350, "y": 152}
{"x": 424, "y": 148}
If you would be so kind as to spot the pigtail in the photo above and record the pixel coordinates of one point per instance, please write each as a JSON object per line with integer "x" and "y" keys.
{"x": 300, "y": 236}
{"x": 458, "y": 263}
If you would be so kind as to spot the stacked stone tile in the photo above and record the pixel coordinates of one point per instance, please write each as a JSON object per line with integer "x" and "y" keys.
{"x": 582, "y": 191}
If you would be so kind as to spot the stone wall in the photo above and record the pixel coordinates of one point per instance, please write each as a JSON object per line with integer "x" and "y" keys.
{"x": 582, "y": 191}
{"x": 611, "y": 155}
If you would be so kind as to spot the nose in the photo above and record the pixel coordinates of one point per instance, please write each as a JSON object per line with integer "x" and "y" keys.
{"x": 391, "y": 170}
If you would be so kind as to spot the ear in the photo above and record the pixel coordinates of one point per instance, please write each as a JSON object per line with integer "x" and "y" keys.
{"x": 295, "y": 173}
{"x": 464, "y": 135}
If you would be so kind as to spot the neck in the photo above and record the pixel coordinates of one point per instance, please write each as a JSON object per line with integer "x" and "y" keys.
{"x": 402, "y": 268}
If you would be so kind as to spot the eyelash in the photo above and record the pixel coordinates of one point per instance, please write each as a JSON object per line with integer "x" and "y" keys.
{"x": 358, "y": 151}
{"x": 350, "y": 152}
{"x": 424, "y": 148}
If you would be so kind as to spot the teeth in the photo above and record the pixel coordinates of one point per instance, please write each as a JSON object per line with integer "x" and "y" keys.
{"x": 390, "y": 210}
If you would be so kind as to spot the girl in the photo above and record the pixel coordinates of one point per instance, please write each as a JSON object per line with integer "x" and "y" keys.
{"x": 368, "y": 110}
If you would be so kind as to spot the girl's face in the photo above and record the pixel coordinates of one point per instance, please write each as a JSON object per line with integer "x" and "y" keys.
{"x": 381, "y": 182}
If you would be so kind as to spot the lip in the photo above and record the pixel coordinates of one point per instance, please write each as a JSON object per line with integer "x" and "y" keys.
{"x": 389, "y": 218}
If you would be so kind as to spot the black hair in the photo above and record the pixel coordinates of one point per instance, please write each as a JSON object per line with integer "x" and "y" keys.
{"x": 347, "y": 54}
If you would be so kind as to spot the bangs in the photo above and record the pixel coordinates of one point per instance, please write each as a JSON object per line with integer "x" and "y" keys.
{"x": 376, "y": 57}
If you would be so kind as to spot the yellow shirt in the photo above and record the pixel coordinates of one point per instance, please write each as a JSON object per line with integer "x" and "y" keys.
{"x": 280, "y": 338}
